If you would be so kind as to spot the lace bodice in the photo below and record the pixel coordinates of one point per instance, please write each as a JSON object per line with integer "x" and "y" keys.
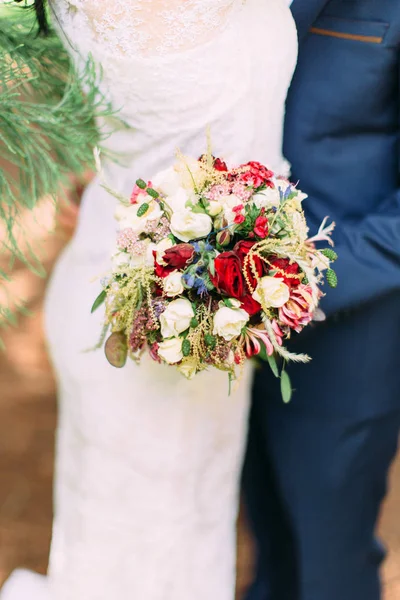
{"x": 149, "y": 27}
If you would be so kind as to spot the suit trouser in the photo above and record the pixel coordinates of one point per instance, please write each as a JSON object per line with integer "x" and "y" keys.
{"x": 315, "y": 472}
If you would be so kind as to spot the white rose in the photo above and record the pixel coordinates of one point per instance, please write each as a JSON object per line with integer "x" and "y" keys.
{"x": 234, "y": 303}
{"x": 161, "y": 247}
{"x": 214, "y": 208}
{"x": 268, "y": 198}
{"x": 127, "y": 215}
{"x": 171, "y": 350}
{"x": 176, "y": 318}
{"x": 178, "y": 200}
{"x": 229, "y": 322}
{"x": 172, "y": 284}
{"x": 168, "y": 181}
{"x": 228, "y": 203}
{"x": 271, "y": 292}
{"x": 188, "y": 368}
{"x": 120, "y": 260}
{"x": 187, "y": 225}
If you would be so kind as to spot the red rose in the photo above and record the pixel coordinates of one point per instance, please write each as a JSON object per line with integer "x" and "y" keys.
{"x": 256, "y": 174}
{"x": 250, "y": 305}
{"x": 228, "y": 277}
{"x": 161, "y": 270}
{"x": 242, "y": 249}
{"x": 261, "y": 227}
{"x": 220, "y": 165}
{"x": 284, "y": 267}
{"x": 179, "y": 256}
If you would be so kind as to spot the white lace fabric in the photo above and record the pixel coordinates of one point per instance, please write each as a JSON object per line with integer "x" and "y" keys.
{"x": 152, "y": 27}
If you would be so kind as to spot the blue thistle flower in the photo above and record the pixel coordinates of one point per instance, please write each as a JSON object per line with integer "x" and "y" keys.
{"x": 189, "y": 279}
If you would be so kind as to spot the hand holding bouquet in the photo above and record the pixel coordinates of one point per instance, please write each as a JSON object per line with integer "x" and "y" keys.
{"x": 213, "y": 266}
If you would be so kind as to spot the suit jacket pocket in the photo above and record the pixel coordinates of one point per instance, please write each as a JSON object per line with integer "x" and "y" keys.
{"x": 368, "y": 32}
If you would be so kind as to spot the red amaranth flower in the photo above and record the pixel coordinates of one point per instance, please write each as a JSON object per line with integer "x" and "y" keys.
{"x": 298, "y": 310}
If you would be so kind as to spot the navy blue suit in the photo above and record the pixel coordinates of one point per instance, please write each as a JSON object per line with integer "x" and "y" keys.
{"x": 315, "y": 470}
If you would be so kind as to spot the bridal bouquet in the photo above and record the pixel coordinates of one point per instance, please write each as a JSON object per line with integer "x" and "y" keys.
{"x": 212, "y": 266}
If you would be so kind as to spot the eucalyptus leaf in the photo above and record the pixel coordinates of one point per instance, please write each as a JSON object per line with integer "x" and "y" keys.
{"x": 99, "y": 301}
{"x": 286, "y": 387}
{"x": 273, "y": 364}
{"x": 116, "y": 349}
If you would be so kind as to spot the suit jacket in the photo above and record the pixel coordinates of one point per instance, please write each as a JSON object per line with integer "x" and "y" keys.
{"x": 342, "y": 136}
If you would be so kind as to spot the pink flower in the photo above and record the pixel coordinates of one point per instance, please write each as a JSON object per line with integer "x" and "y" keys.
{"x": 239, "y": 219}
{"x": 255, "y": 174}
{"x": 254, "y": 337}
{"x": 153, "y": 351}
{"x": 241, "y": 191}
{"x": 297, "y": 312}
{"x": 218, "y": 191}
{"x": 137, "y": 191}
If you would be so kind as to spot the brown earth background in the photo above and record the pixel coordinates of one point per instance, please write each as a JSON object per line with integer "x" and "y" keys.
{"x": 28, "y": 420}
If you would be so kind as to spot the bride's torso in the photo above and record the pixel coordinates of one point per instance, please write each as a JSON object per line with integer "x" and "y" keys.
{"x": 172, "y": 69}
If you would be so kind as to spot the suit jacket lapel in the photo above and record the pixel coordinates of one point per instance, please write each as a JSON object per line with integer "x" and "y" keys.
{"x": 305, "y": 12}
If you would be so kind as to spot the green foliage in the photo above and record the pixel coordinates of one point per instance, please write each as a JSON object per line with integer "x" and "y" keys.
{"x": 330, "y": 254}
{"x": 143, "y": 208}
{"x": 286, "y": 387}
{"x": 153, "y": 193}
{"x": 210, "y": 341}
{"x": 47, "y": 122}
{"x": 186, "y": 347}
{"x": 331, "y": 278}
{"x": 99, "y": 301}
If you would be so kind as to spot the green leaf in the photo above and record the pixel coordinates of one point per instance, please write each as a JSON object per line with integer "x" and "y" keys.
{"x": 211, "y": 267}
{"x": 330, "y": 254}
{"x": 286, "y": 387}
{"x": 186, "y": 347}
{"x": 152, "y": 193}
{"x": 228, "y": 302}
{"x": 194, "y": 322}
{"x": 99, "y": 300}
{"x": 273, "y": 364}
{"x": 271, "y": 360}
{"x": 331, "y": 278}
{"x": 141, "y": 184}
{"x": 210, "y": 341}
{"x": 143, "y": 208}
{"x": 197, "y": 208}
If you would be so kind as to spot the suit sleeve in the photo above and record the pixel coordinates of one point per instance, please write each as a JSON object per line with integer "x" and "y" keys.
{"x": 369, "y": 254}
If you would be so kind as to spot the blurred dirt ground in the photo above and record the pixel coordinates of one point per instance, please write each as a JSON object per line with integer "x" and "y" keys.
{"x": 28, "y": 419}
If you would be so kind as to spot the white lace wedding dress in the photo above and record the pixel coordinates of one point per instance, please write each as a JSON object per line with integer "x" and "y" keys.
{"x": 148, "y": 463}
